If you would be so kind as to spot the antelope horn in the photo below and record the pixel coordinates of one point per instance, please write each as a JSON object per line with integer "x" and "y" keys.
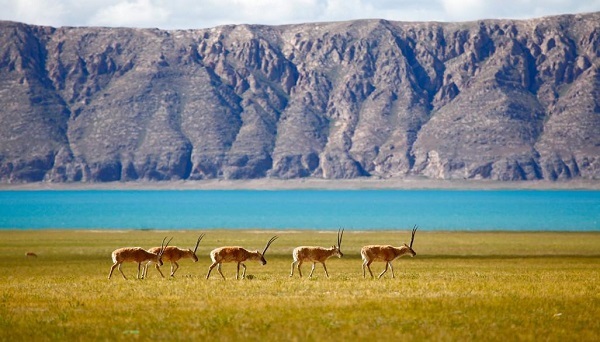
{"x": 162, "y": 249}
{"x": 269, "y": 244}
{"x": 198, "y": 242}
{"x": 340, "y": 236}
{"x": 412, "y": 238}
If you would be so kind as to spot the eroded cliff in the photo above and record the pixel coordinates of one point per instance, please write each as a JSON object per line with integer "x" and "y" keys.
{"x": 496, "y": 99}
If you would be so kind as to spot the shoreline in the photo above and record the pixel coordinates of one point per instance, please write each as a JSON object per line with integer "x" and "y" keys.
{"x": 292, "y": 231}
{"x": 314, "y": 184}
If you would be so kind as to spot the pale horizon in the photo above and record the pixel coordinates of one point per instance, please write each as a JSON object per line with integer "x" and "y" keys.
{"x": 189, "y": 14}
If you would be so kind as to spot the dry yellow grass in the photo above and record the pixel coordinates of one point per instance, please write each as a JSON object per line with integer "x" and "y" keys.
{"x": 460, "y": 286}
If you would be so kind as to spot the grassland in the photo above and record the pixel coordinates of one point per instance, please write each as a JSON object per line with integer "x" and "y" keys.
{"x": 461, "y": 286}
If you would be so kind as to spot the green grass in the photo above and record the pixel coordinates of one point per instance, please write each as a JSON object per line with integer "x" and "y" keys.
{"x": 461, "y": 286}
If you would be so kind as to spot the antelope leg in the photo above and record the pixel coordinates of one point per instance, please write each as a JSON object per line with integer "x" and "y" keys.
{"x": 244, "y": 271}
{"x": 209, "y": 269}
{"x": 145, "y": 270}
{"x": 111, "y": 270}
{"x": 159, "y": 271}
{"x": 368, "y": 265}
{"x": 219, "y": 269}
{"x": 385, "y": 270}
{"x": 312, "y": 270}
{"x": 325, "y": 268}
{"x": 176, "y": 268}
{"x": 120, "y": 270}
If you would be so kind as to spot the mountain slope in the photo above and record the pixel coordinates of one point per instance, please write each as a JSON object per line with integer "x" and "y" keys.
{"x": 496, "y": 99}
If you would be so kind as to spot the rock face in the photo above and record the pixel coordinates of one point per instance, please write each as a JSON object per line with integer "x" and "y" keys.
{"x": 496, "y": 99}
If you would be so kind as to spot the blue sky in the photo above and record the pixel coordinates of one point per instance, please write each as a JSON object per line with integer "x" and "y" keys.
{"x": 190, "y": 14}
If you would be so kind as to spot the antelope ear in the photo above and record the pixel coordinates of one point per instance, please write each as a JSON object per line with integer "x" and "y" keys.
{"x": 405, "y": 244}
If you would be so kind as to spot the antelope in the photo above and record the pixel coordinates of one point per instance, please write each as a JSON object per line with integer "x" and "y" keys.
{"x": 316, "y": 254}
{"x": 31, "y": 255}
{"x": 385, "y": 253}
{"x": 136, "y": 254}
{"x": 236, "y": 254}
{"x": 173, "y": 254}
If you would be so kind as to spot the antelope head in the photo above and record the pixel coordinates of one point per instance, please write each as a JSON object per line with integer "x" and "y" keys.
{"x": 194, "y": 256}
{"x": 412, "y": 239}
{"x": 262, "y": 255}
{"x": 338, "y": 249}
{"x": 162, "y": 251}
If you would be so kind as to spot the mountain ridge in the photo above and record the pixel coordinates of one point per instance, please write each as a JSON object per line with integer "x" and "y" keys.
{"x": 492, "y": 99}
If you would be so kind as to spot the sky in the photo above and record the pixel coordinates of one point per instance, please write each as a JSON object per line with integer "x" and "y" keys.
{"x": 192, "y": 14}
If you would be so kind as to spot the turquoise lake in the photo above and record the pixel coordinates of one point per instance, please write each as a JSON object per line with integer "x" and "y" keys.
{"x": 525, "y": 210}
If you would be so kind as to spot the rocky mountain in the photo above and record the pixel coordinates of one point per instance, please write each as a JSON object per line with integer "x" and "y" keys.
{"x": 495, "y": 99}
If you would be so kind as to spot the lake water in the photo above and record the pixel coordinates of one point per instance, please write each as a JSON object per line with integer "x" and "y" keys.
{"x": 555, "y": 210}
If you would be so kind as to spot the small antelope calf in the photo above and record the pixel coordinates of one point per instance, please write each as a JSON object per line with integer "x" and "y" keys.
{"x": 316, "y": 254}
{"x": 236, "y": 254}
{"x": 385, "y": 253}
{"x": 172, "y": 254}
{"x": 136, "y": 254}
